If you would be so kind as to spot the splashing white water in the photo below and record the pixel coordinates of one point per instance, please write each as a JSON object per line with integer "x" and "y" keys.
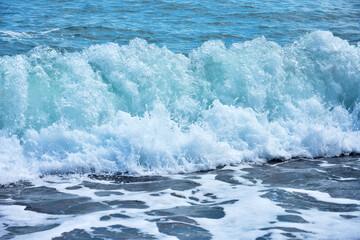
{"x": 145, "y": 109}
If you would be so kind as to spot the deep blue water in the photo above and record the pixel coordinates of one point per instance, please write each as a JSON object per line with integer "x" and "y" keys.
{"x": 181, "y": 25}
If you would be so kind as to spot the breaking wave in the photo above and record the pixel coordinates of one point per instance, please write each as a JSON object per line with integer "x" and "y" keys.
{"x": 143, "y": 109}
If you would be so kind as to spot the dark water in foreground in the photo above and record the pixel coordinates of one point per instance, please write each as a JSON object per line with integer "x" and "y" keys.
{"x": 297, "y": 199}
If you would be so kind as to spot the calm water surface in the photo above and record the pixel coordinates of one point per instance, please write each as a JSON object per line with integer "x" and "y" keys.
{"x": 180, "y": 25}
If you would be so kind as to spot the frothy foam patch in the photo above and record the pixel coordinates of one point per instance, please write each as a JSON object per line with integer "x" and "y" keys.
{"x": 144, "y": 109}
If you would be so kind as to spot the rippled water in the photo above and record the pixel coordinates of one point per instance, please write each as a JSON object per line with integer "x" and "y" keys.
{"x": 180, "y": 25}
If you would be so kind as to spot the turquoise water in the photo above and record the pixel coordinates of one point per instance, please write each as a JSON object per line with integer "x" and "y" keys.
{"x": 154, "y": 87}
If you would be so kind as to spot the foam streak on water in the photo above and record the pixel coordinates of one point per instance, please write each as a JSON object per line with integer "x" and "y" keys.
{"x": 144, "y": 109}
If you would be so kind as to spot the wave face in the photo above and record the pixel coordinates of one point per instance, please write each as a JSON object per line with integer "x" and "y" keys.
{"x": 146, "y": 110}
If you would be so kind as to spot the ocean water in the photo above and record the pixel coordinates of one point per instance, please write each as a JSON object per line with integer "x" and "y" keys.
{"x": 181, "y": 26}
{"x": 158, "y": 90}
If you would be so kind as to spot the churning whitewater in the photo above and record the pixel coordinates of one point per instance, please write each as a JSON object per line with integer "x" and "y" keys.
{"x": 142, "y": 109}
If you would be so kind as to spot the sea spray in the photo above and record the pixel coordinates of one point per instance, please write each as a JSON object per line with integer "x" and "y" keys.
{"x": 144, "y": 109}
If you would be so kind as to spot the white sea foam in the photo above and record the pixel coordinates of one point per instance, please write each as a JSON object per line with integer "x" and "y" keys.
{"x": 145, "y": 109}
{"x": 9, "y": 36}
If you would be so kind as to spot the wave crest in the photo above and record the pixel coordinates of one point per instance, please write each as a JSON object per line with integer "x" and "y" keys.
{"x": 144, "y": 109}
